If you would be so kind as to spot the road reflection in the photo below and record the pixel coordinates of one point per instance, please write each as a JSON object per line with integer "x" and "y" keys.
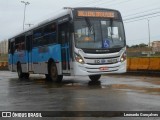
{"x": 136, "y": 88}
{"x": 71, "y": 83}
{"x": 77, "y": 93}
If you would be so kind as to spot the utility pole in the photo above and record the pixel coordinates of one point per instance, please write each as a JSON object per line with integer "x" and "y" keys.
{"x": 149, "y": 37}
{"x": 25, "y": 4}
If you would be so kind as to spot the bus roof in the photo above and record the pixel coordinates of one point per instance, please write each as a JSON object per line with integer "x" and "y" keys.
{"x": 43, "y": 22}
{"x": 58, "y": 15}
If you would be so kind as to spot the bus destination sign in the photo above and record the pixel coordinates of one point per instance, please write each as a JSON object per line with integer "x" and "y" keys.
{"x": 102, "y": 14}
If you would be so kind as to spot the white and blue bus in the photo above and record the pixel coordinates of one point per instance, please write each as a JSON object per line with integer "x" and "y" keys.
{"x": 80, "y": 41}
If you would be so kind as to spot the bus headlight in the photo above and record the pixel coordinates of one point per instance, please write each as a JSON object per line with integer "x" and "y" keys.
{"x": 123, "y": 57}
{"x": 79, "y": 58}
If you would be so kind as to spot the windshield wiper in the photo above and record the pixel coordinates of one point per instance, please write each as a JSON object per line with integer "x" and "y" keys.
{"x": 91, "y": 27}
{"x": 111, "y": 24}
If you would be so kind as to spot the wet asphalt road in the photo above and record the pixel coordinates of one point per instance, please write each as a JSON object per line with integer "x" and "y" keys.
{"x": 112, "y": 93}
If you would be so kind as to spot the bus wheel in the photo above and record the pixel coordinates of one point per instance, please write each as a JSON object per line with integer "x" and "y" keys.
{"x": 47, "y": 77}
{"x": 53, "y": 73}
{"x": 19, "y": 71}
{"x": 94, "y": 78}
{"x": 26, "y": 75}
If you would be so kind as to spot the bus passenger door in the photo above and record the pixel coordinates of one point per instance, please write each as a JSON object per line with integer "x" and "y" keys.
{"x": 63, "y": 38}
{"x": 29, "y": 52}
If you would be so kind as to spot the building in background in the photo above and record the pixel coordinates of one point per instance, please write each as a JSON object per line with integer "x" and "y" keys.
{"x": 156, "y": 46}
{"x": 4, "y": 47}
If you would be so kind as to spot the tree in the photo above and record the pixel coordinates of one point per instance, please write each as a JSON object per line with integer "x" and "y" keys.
{"x": 142, "y": 45}
{"x": 139, "y": 46}
{"x": 127, "y": 46}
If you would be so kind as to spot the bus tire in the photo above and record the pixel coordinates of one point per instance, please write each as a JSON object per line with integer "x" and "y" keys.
{"x": 19, "y": 71}
{"x": 26, "y": 75}
{"x": 94, "y": 78}
{"x": 47, "y": 76}
{"x": 53, "y": 73}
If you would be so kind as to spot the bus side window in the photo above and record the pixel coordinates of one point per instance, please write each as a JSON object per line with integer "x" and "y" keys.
{"x": 50, "y": 33}
{"x": 37, "y": 37}
{"x": 29, "y": 42}
{"x": 11, "y": 47}
{"x": 19, "y": 43}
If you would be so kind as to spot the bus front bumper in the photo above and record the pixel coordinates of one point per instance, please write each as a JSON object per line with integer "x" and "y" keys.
{"x": 85, "y": 69}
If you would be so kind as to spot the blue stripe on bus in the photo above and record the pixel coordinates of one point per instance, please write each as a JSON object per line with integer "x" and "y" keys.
{"x": 44, "y": 53}
{"x": 39, "y": 54}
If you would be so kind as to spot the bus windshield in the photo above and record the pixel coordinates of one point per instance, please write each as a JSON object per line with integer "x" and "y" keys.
{"x": 99, "y": 34}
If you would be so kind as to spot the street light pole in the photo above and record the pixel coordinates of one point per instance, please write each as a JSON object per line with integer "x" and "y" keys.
{"x": 25, "y": 3}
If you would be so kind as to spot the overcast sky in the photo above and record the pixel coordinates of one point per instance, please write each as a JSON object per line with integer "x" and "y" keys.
{"x": 12, "y": 11}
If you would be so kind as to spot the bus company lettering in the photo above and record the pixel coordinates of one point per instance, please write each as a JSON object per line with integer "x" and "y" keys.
{"x": 96, "y": 14}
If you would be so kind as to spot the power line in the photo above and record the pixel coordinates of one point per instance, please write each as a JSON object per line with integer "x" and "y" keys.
{"x": 88, "y": 2}
{"x": 142, "y": 19}
{"x": 142, "y": 7}
{"x": 142, "y": 16}
{"x": 142, "y": 12}
{"x": 121, "y": 2}
{"x": 111, "y": 3}
{"x": 99, "y": 3}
